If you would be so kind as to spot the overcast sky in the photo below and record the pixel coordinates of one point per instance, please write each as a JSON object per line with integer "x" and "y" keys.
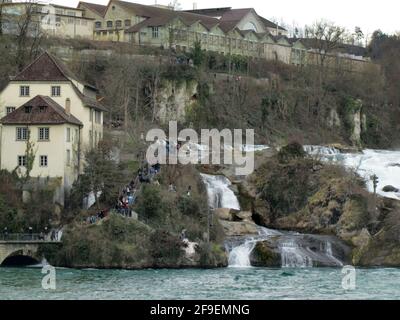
{"x": 370, "y": 15}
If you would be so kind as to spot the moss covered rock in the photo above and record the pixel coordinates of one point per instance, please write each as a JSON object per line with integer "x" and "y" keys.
{"x": 264, "y": 255}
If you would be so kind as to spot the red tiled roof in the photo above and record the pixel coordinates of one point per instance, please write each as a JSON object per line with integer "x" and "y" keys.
{"x": 48, "y": 68}
{"x": 43, "y": 68}
{"x": 44, "y": 110}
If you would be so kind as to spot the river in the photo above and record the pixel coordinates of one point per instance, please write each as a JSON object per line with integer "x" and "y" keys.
{"x": 229, "y": 283}
{"x": 297, "y": 279}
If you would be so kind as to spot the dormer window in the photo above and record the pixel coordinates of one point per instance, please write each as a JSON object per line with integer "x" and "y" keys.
{"x": 42, "y": 109}
{"x": 28, "y": 109}
{"x": 10, "y": 109}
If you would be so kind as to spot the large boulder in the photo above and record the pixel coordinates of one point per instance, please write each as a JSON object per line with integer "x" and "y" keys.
{"x": 264, "y": 255}
{"x": 224, "y": 214}
{"x": 244, "y": 216}
{"x": 261, "y": 212}
{"x": 390, "y": 189}
{"x": 242, "y": 228}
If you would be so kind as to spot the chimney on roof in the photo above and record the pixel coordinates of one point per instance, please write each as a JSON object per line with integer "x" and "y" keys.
{"x": 68, "y": 106}
{"x": 194, "y": 5}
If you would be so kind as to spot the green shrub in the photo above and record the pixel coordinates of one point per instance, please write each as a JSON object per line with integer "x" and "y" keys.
{"x": 189, "y": 206}
{"x": 150, "y": 205}
{"x": 165, "y": 248}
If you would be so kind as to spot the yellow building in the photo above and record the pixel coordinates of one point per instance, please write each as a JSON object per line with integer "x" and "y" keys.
{"x": 47, "y": 20}
{"x": 222, "y": 30}
{"x": 50, "y": 107}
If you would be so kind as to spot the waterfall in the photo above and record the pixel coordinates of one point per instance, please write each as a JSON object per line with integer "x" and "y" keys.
{"x": 293, "y": 256}
{"x": 219, "y": 193}
{"x": 294, "y": 248}
{"x": 329, "y": 253}
{"x": 239, "y": 257}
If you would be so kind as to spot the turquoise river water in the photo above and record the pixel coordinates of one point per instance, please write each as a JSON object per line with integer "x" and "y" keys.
{"x": 228, "y": 283}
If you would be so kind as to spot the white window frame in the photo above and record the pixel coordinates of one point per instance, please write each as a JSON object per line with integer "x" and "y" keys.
{"x": 56, "y": 91}
{"x": 22, "y": 133}
{"x": 24, "y": 91}
{"x": 44, "y": 134}
{"x": 43, "y": 161}
{"x": 155, "y": 32}
{"x": 21, "y": 160}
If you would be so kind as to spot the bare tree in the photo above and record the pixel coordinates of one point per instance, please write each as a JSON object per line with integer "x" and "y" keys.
{"x": 175, "y": 5}
{"x": 29, "y": 33}
{"x": 325, "y": 37}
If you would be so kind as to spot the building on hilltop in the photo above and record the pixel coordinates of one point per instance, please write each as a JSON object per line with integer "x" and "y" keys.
{"x": 243, "y": 19}
{"x": 48, "y": 20}
{"x": 47, "y": 105}
{"x": 223, "y": 30}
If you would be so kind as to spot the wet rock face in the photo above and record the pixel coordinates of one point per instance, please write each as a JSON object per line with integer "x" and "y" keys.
{"x": 264, "y": 255}
{"x": 297, "y": 250}
{"x": 383, "y": 247}
{"x": 235, "y": 229}
{"x": 390, "y": 189}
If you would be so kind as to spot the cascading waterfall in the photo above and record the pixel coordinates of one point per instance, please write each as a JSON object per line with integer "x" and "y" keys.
{"x": 293, "y": 256}
{"x": 294, "y": 252}
{"x": 239, "y": 257}
{"x": 219, "y": 193}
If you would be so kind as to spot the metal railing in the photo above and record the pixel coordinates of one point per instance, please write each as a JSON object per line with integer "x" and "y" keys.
{"x": 26, "y": 237}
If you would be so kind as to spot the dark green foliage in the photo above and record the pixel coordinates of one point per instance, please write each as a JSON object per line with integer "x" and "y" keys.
{"x": 197, "y": 54}
{"x": 150, "y": 205}
{"x": 189, "y": 206}
{"x": 179, "y": 73}
{"x": 18, "y": 216}
{"x": 288, "y": 186}
{"x": 165, "y": 248}
{"x": 102, "y": 174}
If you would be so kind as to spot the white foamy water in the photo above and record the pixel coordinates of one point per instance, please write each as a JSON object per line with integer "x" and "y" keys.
{"x": 239, "y": 257}
{"x": 329, "y": 253}
{"x": 293, "y": 252}
{"x": 293, "y": 256}
{"x": 385, "y": 164}
{"x": 219, "y": 193}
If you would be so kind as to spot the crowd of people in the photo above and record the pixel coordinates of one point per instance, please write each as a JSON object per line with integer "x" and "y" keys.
{"x": 128, "y": 196}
